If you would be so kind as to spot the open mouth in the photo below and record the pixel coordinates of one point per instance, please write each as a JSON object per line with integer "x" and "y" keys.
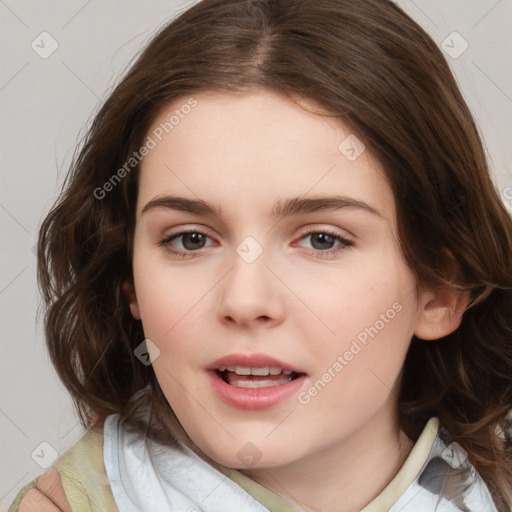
{"x": 254, "y": 381}
{"x": 262, "y": 377}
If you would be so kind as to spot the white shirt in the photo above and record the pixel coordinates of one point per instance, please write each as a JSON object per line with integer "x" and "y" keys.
{"x": 150, "y": 477}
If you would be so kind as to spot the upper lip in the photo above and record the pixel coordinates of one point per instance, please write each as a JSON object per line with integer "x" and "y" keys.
{"x": 251, "y": 361}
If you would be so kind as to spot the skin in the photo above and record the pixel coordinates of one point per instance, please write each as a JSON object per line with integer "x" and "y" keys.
{"x": 47, "y": 496}
{"x": 245, "y": 152}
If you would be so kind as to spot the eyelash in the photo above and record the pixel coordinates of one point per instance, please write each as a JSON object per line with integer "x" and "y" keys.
{"x": 165, "y": 243}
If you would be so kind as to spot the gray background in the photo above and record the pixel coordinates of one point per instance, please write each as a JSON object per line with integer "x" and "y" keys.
{"x": 46, "y": 103}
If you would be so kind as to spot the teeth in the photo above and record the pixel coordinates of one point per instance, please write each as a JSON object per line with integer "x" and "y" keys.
{"x": 260, "y": 384}
{"x": 261, "y": 371}
{"x": 240, "y": 370}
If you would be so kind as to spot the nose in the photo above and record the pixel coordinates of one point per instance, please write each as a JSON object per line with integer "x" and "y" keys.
{"x": 251, "y": 295}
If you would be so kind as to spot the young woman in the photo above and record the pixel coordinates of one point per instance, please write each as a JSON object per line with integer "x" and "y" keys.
{"x": 279, "y": 276}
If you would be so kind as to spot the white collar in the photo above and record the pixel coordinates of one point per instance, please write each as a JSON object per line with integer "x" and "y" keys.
{"x": 166, "y": 477}
{"x": 436, "y": 477}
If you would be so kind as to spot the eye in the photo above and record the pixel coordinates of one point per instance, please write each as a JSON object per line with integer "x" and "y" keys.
{"x": 323, "y": 241}
{"x": 192, "y": 240}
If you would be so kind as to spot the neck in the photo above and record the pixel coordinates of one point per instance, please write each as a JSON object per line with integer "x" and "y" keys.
{"x": 347, "y": 476}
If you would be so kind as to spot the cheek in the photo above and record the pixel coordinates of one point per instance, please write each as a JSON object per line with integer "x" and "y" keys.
{"x": 175, "y": 317}
{"x": 340, "y": 304}
{"x": 368, "y": 317}
{"x": 167, "y": 294}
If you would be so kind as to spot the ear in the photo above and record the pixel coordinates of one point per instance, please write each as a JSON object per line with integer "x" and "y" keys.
{"x": 441, "y": 312}
{"x": 129, "y": 291}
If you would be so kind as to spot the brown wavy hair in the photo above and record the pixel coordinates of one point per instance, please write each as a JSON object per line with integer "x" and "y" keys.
{"x": 372, "y": 67}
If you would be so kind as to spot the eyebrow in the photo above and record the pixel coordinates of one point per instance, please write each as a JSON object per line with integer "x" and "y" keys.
{"x": 284, "y": 208}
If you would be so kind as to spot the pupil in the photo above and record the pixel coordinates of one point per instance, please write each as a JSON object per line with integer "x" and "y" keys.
{"x": 195, "y": 238}
{"x": 327, "y": 239}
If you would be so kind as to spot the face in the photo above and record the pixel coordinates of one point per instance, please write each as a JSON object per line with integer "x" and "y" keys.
{"x": 262, "y": 282}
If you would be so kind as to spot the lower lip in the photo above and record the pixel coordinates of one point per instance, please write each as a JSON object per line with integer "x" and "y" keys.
{"x": 254, "y": 398}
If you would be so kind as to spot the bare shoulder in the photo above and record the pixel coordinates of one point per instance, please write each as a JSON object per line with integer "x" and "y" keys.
{"x": 47, "y": 496}
{"x": 77, "y": 480}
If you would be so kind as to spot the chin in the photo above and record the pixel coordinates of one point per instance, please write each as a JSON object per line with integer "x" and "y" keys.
{"x": 249, "y": 456}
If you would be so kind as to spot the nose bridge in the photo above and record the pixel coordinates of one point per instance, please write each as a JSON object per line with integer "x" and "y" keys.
{"x": 249, "y": 290}
{"x": 249, "y": 268}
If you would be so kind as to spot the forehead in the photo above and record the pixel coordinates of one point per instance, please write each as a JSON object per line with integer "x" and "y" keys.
{"x": 256, "y": 148}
